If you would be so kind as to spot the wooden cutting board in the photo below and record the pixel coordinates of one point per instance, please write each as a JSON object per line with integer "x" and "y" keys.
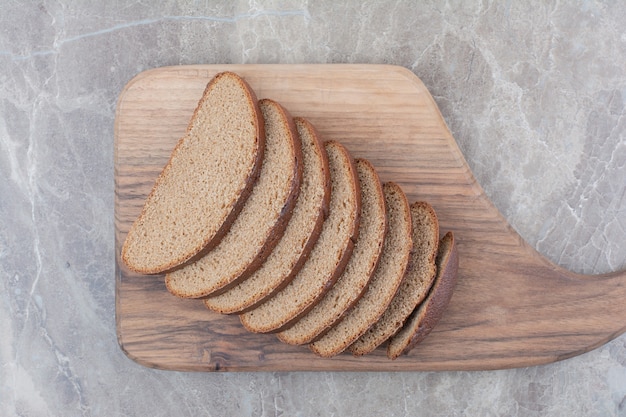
{"x": 511, "y": 307}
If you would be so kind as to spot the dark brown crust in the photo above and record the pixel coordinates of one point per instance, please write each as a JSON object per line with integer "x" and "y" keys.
{"x": 407, "y": 232}
{"x": 379, "y": 185}
{"x": 374, "y": 266}
{"x": 213, "y": 241}
{"x": 317, "y": 228}
{"x": 256, "y": 171}
{"x": 277, "y": 231}
{"x": 428, "y": 314}
{"x": 346, "y": 253}
{"x": 416, "y": 207}
{"x": 319, "y": 145}
{"x": 345, "y": 256}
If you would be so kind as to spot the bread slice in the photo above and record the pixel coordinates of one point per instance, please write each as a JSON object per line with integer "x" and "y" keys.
{"x": 383, "y": 285}
{"x": 203, "y": 186}
{"x": 328, "y": 257}
{"x": 353, "y": 282}
{"x": 301, "y": 234}
{"x": 419, "y": 276}
{"x": 261, "y": 222}
{"x": 429, "y": 312}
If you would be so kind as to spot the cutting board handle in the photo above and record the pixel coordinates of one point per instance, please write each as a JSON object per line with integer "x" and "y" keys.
{"x": 527, "y": 309}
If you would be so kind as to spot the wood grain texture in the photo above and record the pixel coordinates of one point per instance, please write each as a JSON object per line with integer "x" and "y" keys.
{"x": 511, "y": 307}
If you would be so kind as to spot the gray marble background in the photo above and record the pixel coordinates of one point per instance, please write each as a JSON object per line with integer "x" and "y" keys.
{"x": 533, "y": 91}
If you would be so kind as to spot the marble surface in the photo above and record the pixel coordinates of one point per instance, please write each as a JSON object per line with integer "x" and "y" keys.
{"x": 534, "y": 93}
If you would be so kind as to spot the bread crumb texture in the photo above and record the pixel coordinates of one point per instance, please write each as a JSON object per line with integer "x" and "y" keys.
{"x": 351, "y": 284}
{"x": 301, "y": 233}
{"x": 325, "y": 259}
{"x": 419, "y": 275}
{"x": 384, "y": 283}
{"x": 247, "y": 236}
{"x": 205, "y": 177}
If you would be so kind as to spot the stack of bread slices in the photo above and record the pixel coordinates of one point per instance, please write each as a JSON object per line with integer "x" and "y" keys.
{"x": 256, "y": 216}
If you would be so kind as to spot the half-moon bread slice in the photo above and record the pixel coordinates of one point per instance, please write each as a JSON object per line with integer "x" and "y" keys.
{"x": 262, "y": 221}
{"x": 203, "y": 186}
{"x": 384, "y": 283}
{"x": 353, "y": 282}
{"x": 419, "y": 276}
{"x": 300, "y": 235}
{"x": 429, "y": 312}
{"x": 328, "y": 257}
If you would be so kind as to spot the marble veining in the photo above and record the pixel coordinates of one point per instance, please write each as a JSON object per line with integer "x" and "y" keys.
{"x": 534, "y": 93}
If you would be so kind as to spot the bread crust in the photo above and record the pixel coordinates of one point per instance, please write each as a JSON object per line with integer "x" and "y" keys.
{"x": 343, "y": 261}
{"x": 321, "y": 346}
{"x": 413, "y": 289}
{"x": 276, "y": 233}
{"x": 374, "y": 266}
{"x": 427, "y": 315}
{"x": 209, "y": 242}
{"x": 318, "y": 331}
{"x": 273, "y": 234}
{"x": 286, "y": 322}
{"x": 251, "y": 303}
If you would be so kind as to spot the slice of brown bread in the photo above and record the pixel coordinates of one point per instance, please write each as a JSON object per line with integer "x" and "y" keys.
{"x": 329, "y": 256}
{"x": 419, "y": 276}
{"x": 353, "y": 282}
{"x": 203, "y": 186}
{"x": 261, "y": 222}
{"x": 384, "y": 283}
{"x": 429, "y": 312}
{"x": 300, "y": 235}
